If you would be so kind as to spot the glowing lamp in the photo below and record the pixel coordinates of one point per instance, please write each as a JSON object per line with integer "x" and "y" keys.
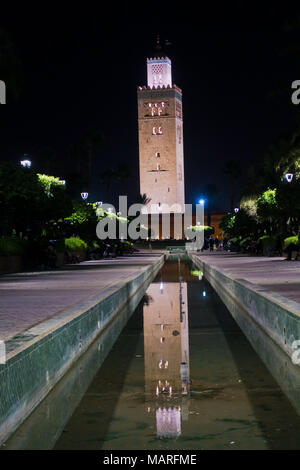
{"x": 26, "y": 163}
{"x": 84, "y": 196}
{"x": 289, "y": 177}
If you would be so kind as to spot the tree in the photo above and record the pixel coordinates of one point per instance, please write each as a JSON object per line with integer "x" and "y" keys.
{"x": 227, "y": 225}
{"x": 82, "y": 154}
{"x": 233, "y": 170}
{"x": 47, "y": 160}
{"x": 30, "y": 204}
{"x": 239, "y": 225}
{"x": 210, "y": 193}
{"x": 288, "y": 200}
{"x": 82, "y": 221}
{"x": 268, "y": 210}
{"x": 92, "y": 141}
{"x": 143, "y": 199}
{"x": 20, "y": 198}
{"x": 122, "y": 174}
{"x": 107, "y": 177}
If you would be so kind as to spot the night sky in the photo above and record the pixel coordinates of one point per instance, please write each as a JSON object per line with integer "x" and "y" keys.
{"x": 235, "y": 81}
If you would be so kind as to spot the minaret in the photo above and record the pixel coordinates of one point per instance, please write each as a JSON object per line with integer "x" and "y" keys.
{"x": 161, "y": 137}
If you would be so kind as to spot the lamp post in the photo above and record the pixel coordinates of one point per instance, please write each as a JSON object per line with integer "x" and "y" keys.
{"x": 26, "y": 163}
{"x": 289, "y": 177}
{"x": 84, "y": 196}
{"x": 236, "y": 210}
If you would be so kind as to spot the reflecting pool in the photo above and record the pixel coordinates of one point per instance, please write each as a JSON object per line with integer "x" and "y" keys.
{"x": 180, "y": 375}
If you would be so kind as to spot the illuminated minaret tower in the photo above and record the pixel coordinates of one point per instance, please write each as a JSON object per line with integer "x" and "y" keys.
{"x": 161, "y": 137}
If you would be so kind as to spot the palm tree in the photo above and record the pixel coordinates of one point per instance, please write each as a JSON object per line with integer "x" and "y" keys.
{"x": 144, "y": 200}
{"x": 232, "y": 169}
{"x": 107, "y": 177}
{"x": 82, "y": 153}
{"x": 47, "y": 160}
{"x": 122, "y": 174}
{"x": 92, "y": 141}
{"x": 210, "y": 192}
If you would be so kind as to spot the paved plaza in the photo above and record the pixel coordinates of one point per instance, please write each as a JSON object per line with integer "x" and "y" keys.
{"x": 27, "y": 299}
{"x": 274, "y": 274}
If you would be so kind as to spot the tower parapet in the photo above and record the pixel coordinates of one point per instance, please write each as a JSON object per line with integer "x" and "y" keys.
{"x": 159, "y": 72}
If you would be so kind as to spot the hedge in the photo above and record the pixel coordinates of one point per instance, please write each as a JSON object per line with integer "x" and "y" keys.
{"x": 12, "y": 246}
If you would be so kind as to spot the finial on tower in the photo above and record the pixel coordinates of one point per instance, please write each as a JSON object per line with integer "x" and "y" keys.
{"x": 158, "y": 46}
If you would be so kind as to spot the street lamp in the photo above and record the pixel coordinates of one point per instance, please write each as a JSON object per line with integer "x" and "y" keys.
{"x": 236, "y": 210}
{"x": 202, "y": 202}
{"x": 26, "y": 163}
{"x": 84, "y": 196}
{"x": 99, "y": 203}
{"x": 289, "y": 177}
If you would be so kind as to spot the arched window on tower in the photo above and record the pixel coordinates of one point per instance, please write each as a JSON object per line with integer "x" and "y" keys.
{"x": 157, "y": 155}
{"x": 154, "y": 131}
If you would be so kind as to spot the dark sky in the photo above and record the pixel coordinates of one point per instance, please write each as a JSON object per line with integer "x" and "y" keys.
{"x": 76, "y": 76}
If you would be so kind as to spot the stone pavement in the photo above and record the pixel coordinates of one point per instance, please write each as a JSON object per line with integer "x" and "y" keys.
{"x": 274, "y": 274}
{"x": 27, "y": 299}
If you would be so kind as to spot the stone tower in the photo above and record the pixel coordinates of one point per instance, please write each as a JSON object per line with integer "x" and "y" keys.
{"x": 161, "y": 138}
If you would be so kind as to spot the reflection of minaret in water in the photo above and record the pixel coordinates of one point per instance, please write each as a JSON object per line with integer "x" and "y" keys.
{"x": 166, "y": 344}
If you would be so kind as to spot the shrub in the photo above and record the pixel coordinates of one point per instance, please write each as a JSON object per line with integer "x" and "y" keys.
{"x": 12, "y": 246}
{"x": 245, "y": 241}
{"x": 267, "y": 241}
{"x": 73, "y": 244}
{"x": 291, "y": 241}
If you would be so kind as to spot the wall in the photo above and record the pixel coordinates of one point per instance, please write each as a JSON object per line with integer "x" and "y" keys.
{"x": 167, "y": 185}
{"x": 278, "y": 316}
{"x": 39, "y": 358}
{"x": 10, "y": 264}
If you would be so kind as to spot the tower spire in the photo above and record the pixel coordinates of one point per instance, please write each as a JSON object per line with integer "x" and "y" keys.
{"x": 158, "y": 46}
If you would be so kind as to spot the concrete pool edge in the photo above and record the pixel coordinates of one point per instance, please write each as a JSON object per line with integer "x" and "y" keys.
{"x": 278, "y": 316}
{"x": 39, "y": 357}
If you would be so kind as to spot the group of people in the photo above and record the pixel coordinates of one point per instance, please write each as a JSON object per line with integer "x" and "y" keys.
{"x": 213, "y": 244}
{"x": 110, "y": 250}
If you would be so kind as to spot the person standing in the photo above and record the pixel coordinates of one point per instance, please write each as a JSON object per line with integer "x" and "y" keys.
{"x": 211, "y": 243}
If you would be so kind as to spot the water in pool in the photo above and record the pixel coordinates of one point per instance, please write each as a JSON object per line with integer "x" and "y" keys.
{"x": 181, "y": 375}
